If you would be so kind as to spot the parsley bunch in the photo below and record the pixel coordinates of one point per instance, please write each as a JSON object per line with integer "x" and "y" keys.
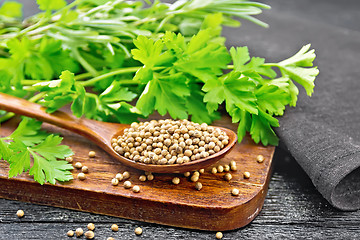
{"x": 118, "y": 61}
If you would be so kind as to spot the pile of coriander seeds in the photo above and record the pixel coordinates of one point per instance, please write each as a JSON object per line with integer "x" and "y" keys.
{"x": 169, "y": 142}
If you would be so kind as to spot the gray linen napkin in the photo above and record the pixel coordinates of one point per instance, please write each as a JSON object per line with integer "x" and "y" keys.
{"x": 322, "y": 132}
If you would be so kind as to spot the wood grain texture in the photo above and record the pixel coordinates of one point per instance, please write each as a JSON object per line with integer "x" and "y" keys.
{"x": 159, "y": 201}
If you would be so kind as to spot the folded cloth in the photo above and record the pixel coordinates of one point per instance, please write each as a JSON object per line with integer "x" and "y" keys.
{"x": 322, "y": 132}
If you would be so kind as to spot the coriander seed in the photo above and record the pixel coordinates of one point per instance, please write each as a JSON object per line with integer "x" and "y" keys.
{"x": 85, "y": 169}
{"x": 136, "y": 189}
{"x": 20, "y": 213}
{"x": 246, "y": 175}
{"x": 89, "y": 234}
{"x": 201, "y": 170}
{"x": 119, "y": 177}
{"x": 220, "y": 168}
{"x": 228, "y": 176}
{"x": 150, "y": 177}
{"x": 260, "y": 158}
{"x": 138, "y": 231}
{"x": 114, "y": 181}
{"x": 114, "y": 228}
{"x": 176, "y": 180}
{"x": 219, "y": 235}
{"x": 127, "y": 184}
{"x": 79, "y": 232}
{"x": 126, "y": 175}
{"x": 91, "y": 226}
{"x": 142, "y": 178}
{"x": 194, "y": 178}
{"x": 70, "y": 233}
{"x": 198, "y": 186}
{"x": 214, "y": 170}
{"x": 226, "y": 168}
{"x": 187, "y": 174}
{"x": 81, "y": 176}
{"x": 69, "y": 159}
{"x": 92, "y": 154}
{"x": 78, "y": 165}
{"x": 233, "y": 167}
{"x": 235, "y": 192}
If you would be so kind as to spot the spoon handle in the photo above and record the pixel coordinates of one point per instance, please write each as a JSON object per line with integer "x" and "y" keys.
{"x": 33, "y": 110}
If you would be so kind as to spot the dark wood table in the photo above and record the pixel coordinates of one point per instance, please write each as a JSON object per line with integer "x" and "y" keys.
{"x": 293, "y": 208}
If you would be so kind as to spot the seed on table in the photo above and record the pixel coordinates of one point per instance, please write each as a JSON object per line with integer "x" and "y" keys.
{"x": 201, "y": 170}
{"x": 85, "y": 169}
{"x": 220, "y": 168}
{"x": 79, "y": 232}
{"x": 114, "y": 228}
{"x": 20, "y": 213}
{"x": 92, "y": 154}
{"x": 150, "y": 177}
{"x": 127, "y": 184}
{"x": 232, "y": 163}
{"x": 260, "y": 158}
{"x": 81, "y": 176}
{"x": 226, "y": 168}
{"x": 194, "y": 178}
{"x": 176, "y": 180}
{"x": 187, "y": 174}
{"x": 214, "y": 170}
{"x": 89, "y": 234}
{"x": 69, "y": 159}
{"x": 78, "y": 165}
{"x": 235, "y": 191}
{"x": 228, "y": 176}
{"x": 142, "y": 178}
{"x": 136, "y": 189}
{"x": 119, "y": 177}
{"x": 196, "y": 173}
{"x": 70, "y": 233}
{"x": 246, "y": 175}
{"x": 198, "y": 186}
{"x": 138, "y": 231}
{"x": 91, "y": 226}
{"x": 114, "y": 181}
{"x": 219, "y": 235}
{"x": 126, "y": 175}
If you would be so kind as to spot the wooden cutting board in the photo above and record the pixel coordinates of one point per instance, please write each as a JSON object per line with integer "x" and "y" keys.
{"x": 160, "y": 201}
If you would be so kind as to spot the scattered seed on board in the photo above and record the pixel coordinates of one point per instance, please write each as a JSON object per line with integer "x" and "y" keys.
{"x": 138, "y": 231}
{"x": 119, "y": 177}
{"x": 260, "y": 158}
{"x": 79, "y": 232}
{"x": 20, "y": 213}
{"x": 91, "y": 226}
{"x": 92, "y": 154}
{"x": 246, "y": 175}
{"x": 69, "y": 159}
{"x": 114, "y": 227}
{"x": 232, "y": 163}
{"x": 235, "y": 191}
{"x": 202, "y": 171}
{"x": 194, "y": 178}
{"x": 142, "y": 178}
{"x": 176, "y": 180}
{"x": 85, "y": 169}
{"x": 219, "y": 235}
{"x": 78, "y": 165}
{"x": 81, "y": 176}
{"x": 127, "y": 184}
{"x": 196, "y": 173}
{"x": 214, "y": 170}
{"x": 187, "y": 174}
{"x": 233, "y": 167}
{"x": 228, "y": 176}
{"x": 226, "y": 168}
{"x": 136, "y": 189}
{"x": 150, "y": 177}
{"x": 198, "y": 186}
{"x": 126, "y": 175}
{"x": 220, "y": 168}
{"x": 114, "y": 181}
{"x": 70, "y": 233}
{"x": 89, "y": 234}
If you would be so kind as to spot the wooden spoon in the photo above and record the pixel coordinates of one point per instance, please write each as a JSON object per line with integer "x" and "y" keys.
{"x": 101, "y": 133}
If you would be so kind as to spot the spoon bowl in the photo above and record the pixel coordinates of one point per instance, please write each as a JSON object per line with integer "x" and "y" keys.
{"x": 101, "y": 134}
